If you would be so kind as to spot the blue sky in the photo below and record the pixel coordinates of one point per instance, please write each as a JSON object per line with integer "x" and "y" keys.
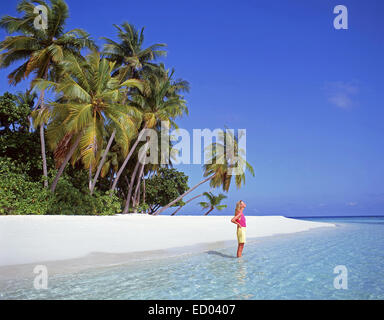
{"x": 311, "y": 97}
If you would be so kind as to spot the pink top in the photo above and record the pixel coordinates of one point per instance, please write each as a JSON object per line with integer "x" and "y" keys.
{"x": 241, "y": 220}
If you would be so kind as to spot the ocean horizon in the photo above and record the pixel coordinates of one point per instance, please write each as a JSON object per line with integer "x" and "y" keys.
{"x": 228, "y": 213}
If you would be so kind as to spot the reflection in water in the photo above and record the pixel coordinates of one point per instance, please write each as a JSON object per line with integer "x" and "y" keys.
{"x": 241, "y": 275}
{"x": 220, "y": 254}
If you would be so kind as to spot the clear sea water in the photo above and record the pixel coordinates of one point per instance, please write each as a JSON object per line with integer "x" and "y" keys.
{"x": 296, "y": 266}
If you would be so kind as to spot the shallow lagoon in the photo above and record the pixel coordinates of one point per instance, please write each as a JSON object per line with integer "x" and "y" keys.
{"x": 295, "y": 266}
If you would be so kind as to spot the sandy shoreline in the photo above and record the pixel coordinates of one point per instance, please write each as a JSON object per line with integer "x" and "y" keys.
{"x": 33, "y": 239}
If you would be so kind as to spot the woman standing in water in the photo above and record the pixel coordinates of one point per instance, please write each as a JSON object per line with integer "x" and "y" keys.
{"x": 239, "y": 220}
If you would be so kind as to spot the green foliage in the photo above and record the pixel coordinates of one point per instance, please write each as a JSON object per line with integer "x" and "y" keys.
{"x": 24, "y": 148}
{"x": 16, "y": 142}
{"x": 142, "y": 208}
{"x": 213, "y": 202}
{"x": 39, "y": 51}
{"x": 13, "y": 114}
{"x": 117, "y": 92}
{"x": 20, "y": 195}
{"x": 129, "y": 54}
{"x": 165, "y": 186}
{"x": 222, "y": 165}
{"x": 91, "y": 99}
{"x": 72, "y": 201}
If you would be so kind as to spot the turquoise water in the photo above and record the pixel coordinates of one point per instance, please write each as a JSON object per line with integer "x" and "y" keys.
{"x": 297, "y": 266}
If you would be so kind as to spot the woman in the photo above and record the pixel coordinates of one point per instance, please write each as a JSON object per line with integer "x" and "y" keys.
{"x": 239, "y": 220}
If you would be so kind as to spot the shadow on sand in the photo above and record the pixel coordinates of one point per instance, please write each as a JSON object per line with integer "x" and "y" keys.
{"x": 221, "y": 254}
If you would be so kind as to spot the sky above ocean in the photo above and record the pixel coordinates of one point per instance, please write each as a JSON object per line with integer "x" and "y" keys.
{"x": 310, "y": 96}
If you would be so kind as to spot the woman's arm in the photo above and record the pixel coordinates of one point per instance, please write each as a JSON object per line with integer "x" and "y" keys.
{"x": 235, "y": 218}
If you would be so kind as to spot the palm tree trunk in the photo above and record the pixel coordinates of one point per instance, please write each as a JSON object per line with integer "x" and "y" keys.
{"x": 186, "y": 203}
{"x": 209, "y": 211}
{"x": 67, "y": 157}
{"x": 110, "y": 182}
{"x": 138, "y": 183}
{"x": 143, "y": 188}
{"x": 42, "y": 138}
{"x": 43, "y": 156}
{"x": 128, "y": 200}
{"x": 40, "y": 103}
{"x": 102, "y": 161}
{"x": 90, "y": 176}
{"x": 183, "y": 195}
{"x": 127, "y": 181}
{"x": 118, "y": 174}
{"x": 139, "y": 194}
{"x": 154, "y": 208}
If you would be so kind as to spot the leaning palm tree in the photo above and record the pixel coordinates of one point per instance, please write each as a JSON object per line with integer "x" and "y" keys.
{"x": 129, "y": 54}
{"x": 226, "y": 159}
{"x": 213, "y": 202}
{"x": 159, "y": 101}
{"x": 138, "y": 171}
{"x": 89, "y": 99}
{"x": 108, "y": 157}
{"x": 186, "y": 202}
{"x": 137, "y": 167}
{"x": 40, "y": 50}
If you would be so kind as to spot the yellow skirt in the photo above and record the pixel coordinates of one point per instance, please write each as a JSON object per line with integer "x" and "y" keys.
{"x": 241, "y": 238}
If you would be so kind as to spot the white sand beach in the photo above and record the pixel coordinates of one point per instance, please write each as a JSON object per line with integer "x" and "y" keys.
{"x": 34, "y": 239}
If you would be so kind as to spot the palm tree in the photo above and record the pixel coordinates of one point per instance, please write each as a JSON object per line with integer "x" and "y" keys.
{"x": 122, "y": 143}
{"x": 28, "y": 98}
{"x": 128, "y": 54}
{"x": 40, "y": 50}
{"x": 88, "y": 100}
{"x": 186, "y": 202}
{"x": 224, "y": 156}
{"x": 139, "y": 164}
{"x": 111, "y": 162}
{"x": 138, "y": 171}
{"x": 159, "y": 101}
{"x": 40, "y": 116}
{"x": 213, "y": 202}
{"x": 130, "y": 58}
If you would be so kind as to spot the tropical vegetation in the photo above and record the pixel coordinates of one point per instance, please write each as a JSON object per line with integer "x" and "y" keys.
{"x": 70, "y": 143}
{"x": 213, "y": 202}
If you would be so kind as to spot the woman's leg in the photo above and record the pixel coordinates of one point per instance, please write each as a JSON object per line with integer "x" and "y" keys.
{"x": 240, "y": 249}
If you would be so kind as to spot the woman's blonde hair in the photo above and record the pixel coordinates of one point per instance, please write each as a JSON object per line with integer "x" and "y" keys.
{"x": 238, "y": 206}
